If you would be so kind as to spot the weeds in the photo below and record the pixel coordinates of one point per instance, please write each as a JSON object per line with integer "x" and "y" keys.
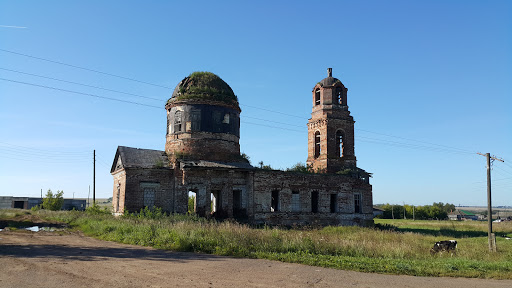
{"x": 397, "y": 247}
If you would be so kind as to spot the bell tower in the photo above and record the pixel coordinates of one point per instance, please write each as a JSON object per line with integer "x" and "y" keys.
{"x": 330, "y": 128}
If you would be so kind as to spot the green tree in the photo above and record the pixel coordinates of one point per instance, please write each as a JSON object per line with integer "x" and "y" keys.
{"x": 52, "y": 201}
{"x": 191, "y": 204}
{"x": 300, "y": 167}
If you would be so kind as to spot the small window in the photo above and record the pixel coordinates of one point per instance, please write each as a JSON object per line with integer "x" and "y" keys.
{"x": 339, "y": 95}
{"x": 295, "y": 201}
{"x": 339, "y": 143}
{"x": 177, "y": 121}
{"x": 334, "y": 203}
{"x": 275, "y": 201}
{"x": 317, "y": 97}
{"x": 195, "y": 117}
{"x": 357, "y": 203}
{"x": 314, "y": 202}
{"x": 317, "y": 144}
{"x": 217, "y": 121}
{"x": 149, "y": 197}
{"x": 226, "y": 119}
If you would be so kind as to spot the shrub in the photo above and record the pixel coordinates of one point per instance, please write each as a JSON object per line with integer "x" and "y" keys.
{"x": 52, "y": 201}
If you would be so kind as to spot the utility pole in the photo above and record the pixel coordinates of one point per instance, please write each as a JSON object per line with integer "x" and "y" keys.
{"x": 94, "y": 178}
{"x": 491, "y": 236}
{"x": 88, "y": 197}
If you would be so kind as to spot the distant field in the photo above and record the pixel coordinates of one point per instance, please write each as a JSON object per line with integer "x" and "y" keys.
{"x": 393, "y": 247}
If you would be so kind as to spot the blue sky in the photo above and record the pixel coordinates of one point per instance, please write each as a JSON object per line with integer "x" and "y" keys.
{"x": 429, "y": 86}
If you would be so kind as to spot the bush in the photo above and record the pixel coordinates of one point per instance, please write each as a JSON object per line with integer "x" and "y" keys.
{"x": 52, "y": 201}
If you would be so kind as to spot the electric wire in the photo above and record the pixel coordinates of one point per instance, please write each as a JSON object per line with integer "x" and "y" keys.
{"x": 86, "y": 69}
{"x": 80, "y": 93}
{"x": 85, "y": 85}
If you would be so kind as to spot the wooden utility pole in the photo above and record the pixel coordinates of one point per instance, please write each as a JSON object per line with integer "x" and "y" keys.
{"x": 491, "y": 236}
{"x": 94, "y": 178}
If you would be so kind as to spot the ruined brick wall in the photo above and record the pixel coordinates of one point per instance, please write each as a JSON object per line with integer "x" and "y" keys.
{"x": 305, "y": 185}
{"x": 222, "y": 183}
{"x": 118, "y": 196}
{"x": 144, "y": 187}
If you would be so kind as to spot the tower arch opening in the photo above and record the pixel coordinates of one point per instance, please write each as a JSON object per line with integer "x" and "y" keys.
{"x": 317, "y": 144}
{"x": 339, "y": 143}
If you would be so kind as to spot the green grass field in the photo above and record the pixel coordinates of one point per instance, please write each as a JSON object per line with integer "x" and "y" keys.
{"x": 393, "y": 247}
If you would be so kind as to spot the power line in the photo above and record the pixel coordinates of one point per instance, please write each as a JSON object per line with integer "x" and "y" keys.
{"x": 277, "y": 112}
{"x": 86, "y": 69}
{"x": 388, "y": 135}
{"x": 266, "y": 120}
{"x": 38, "y": 150}
{"x": 80, "y": 93}
{"x": 270, "y": 126}
{"x": 81, "y": 84}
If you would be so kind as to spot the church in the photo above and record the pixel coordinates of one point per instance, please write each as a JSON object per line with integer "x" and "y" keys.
{"x": 202, "y": 156}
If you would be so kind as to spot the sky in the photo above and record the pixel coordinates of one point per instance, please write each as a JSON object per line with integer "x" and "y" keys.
{"x": 429, "y": 86}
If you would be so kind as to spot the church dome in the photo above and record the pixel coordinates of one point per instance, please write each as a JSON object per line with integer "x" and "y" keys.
{"x": 329, "y": 80}
{"x": 204, "y": 86}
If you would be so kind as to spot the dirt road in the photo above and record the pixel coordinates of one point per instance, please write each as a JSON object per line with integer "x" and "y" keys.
{"x": 47, "y": 259}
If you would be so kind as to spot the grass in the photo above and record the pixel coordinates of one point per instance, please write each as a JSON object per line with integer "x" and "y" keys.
{"x": 400, "y": 247}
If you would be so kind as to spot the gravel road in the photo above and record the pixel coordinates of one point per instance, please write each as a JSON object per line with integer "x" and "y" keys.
{"x": 47, "y": 259}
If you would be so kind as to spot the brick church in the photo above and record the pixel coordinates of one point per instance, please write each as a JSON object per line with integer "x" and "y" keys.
{"x": 202, "y": 156}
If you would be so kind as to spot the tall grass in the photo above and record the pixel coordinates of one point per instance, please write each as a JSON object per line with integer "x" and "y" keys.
{"x": 403, "y": 248}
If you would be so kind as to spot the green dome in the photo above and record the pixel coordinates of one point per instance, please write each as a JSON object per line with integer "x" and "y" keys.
{"x": 204, "y": 86}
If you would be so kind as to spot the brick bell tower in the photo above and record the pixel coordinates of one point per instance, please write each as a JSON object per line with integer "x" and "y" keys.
{"x": 330, "y": 128}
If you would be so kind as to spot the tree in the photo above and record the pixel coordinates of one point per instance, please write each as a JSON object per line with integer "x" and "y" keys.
{"x": 191, "y": 204}
{"x": 52, "y": 201}
{"x": 300, "y": 167}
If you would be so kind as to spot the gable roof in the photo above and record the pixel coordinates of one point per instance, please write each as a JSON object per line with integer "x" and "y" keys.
{"x": 216, "y": 164}
{"x": 129, "y": 157}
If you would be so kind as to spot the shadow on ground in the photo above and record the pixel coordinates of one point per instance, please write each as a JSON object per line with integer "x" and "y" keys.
{"x": 67, "y": 252}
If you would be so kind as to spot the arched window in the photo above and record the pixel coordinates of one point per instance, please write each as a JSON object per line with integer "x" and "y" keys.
{"x": 317, "y": 144}
{"x": 177, "y": 121}
{"x": 339, "y": 143}
{"x": 339, "y": 95}
{"x": 317, "y": 96}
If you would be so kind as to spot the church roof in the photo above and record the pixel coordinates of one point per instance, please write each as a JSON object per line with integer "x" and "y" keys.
{"x": 329, "y": 80}
{"x": 216, "y": 164}
{"x": 128, "y": 157}
{"x": 200, "y": 86}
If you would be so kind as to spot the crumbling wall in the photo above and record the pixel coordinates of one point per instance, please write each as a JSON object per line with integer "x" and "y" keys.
{"x": 156, "y": 184}
{"x": 305, "y": 185}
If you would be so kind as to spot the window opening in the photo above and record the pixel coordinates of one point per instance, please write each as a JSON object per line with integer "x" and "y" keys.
{"x": 149, "y": 197}
{"x": 317, "y": 97}
{"x": 177, "y": 121}
{"x": 117, "y": 197}
{"x": 192, "y": 202}
{"x": 216, "y": 201}
{"x": 317, "y": 144}
{"x": 195, "y": 118}
{"x": 226, "y": 119}
{"x": 237, "y": 202}
{"x": 295, "y": 201}
{"x": 274, "y": 207}
{"x": 334, "y": 203}
{"x": 339, "y": 143}
{"x": 314, "y": 201}
{"x": 340, "y": 97}
{"x": 217, "y": 121}
{"x": 357, "y": 203}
